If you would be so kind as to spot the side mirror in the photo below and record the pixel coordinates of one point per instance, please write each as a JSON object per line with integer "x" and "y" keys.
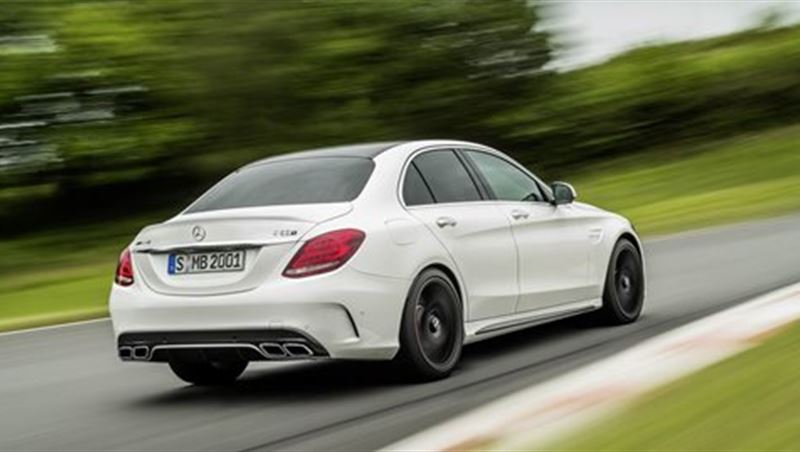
{"x": 563, "y": 193}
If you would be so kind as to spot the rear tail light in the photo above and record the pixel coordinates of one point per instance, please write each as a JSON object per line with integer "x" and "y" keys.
{"x": 124, "y": 275}
{"x": 324, "y": 253}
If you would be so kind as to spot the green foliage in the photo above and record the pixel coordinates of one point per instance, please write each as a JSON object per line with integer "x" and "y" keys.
{"x": 674, "y": 93}
{"x": 187, "y": 92}
{"x": 300, "y": 74}
{"x": 173, "y": 94}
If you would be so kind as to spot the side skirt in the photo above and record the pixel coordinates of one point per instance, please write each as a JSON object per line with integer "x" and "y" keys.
{"x": 487, "y": 328}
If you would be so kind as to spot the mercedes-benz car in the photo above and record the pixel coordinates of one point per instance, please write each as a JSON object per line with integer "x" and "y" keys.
{"x": 385, "y": 251}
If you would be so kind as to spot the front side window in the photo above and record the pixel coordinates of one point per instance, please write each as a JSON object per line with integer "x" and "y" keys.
{"x": 507, "y": 182}
{"x": 446, "y": 177}
{"x": 299, "y": 181}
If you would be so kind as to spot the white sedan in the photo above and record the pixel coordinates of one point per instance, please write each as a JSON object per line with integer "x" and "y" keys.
{"x": 379, "y": 251}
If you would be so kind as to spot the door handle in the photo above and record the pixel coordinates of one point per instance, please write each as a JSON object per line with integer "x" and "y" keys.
{"x": 519, "y": 214}
{"x": 443, "y": 222}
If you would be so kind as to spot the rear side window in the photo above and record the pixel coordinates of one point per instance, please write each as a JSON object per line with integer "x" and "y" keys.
{"x": 300, "y": 181}
{"x": 446, "y": 176}
{"x": 415, "y": 192}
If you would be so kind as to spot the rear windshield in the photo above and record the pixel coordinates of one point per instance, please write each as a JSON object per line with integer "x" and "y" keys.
{"x": 300, "y": 181}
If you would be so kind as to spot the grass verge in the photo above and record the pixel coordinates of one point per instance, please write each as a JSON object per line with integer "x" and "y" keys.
{"x": 62, "y": 276}
{"x": 82, "y": 298}
{"x": 744, "y": 177}
{"x": 748, "y": 402}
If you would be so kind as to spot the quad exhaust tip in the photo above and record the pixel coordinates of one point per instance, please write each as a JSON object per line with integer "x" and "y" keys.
{"x": 297, "y": 349}
{"x": 271, "y": 350}
{"x": 137, "y": 353}
{"x": 141, "y": 352}
{"x": 287, "y": 350}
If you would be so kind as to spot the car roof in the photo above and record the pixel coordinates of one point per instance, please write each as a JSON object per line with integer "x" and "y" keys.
{"x": 363, "y": 150}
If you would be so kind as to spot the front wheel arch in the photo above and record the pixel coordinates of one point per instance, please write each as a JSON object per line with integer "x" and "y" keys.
{"x": 633, "y": 239}
{"x": 637, "y": 243}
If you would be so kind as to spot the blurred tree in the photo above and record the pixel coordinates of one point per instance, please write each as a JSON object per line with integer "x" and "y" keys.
{"x": 83, "y": 97}
{"x": 271, "y": 76}
{"x": 98, "y": 97}
{"x": 139, "y": 90}
{"x": 660, "y": 95}
{"x": 773, "y": 16}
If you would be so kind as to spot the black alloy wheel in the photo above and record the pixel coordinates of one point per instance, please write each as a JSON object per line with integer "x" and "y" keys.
{"x": 623, "y": 297}
{"x": 432, "y": 332}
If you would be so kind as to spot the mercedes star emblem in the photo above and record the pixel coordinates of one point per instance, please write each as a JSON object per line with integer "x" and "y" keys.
{"x": 198, "y": 233}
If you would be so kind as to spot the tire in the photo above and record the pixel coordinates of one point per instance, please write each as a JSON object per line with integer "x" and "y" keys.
{"x": 432, "y": 328}
{"x": 213, "y": 368}
{"x": 623, "y": 296}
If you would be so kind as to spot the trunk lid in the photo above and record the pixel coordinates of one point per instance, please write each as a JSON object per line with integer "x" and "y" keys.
{"x": 266, "y": 235}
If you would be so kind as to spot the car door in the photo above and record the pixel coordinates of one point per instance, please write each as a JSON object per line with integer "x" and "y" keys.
{"x": 553, "y": 243}
{"x": 440, "y": 191}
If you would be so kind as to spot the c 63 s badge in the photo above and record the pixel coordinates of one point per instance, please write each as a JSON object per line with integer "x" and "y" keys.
{"x": 284, "y": 232}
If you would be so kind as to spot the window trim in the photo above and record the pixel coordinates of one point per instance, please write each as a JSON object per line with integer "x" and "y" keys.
{"x": 476, "y": 176}
{"x": 410, "y": 161}
{"x": 490, "y": 194}
{"x": 413, "y": 166}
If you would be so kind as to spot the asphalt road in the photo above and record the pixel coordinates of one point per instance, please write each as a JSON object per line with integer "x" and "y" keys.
{"x": 64, "y": 389}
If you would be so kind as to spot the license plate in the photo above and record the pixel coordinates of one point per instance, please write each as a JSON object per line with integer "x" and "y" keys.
{"x": 210, "y": 262}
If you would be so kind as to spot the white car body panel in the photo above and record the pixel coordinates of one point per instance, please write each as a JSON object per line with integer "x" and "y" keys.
{"x": 481, "y": 245}
{"x": 553, "y": 255}
{"x": 510, "y": 274}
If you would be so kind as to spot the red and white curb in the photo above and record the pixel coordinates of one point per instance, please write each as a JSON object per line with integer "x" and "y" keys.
{"x": 535, "y": 416}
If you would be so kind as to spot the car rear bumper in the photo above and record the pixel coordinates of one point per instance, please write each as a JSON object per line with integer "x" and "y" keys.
{"x": 252, "y": 345}
{"x": 344, "y": 315}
